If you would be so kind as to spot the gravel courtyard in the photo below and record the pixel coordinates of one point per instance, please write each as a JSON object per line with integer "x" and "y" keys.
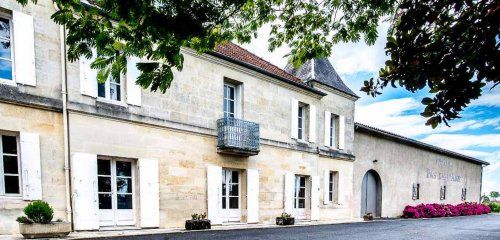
{"x": 466, "y": 228}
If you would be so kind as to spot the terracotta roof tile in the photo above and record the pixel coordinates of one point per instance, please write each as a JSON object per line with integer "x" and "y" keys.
{"x": 238, "y": 53}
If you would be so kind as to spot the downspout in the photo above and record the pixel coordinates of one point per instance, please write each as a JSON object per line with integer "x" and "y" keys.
{"x": 64, "y": 93}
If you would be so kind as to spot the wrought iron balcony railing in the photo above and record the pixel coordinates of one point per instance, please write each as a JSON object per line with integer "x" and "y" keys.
{"x": 238, "y": 137}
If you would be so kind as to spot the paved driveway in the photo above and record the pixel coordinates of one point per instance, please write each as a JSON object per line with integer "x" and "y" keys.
{"x": 466, "y": 228}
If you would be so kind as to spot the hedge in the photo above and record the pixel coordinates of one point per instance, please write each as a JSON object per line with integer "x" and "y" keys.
{"x": 436, "y": 210}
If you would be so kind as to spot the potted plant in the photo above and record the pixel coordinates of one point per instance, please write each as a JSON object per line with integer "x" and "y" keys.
{"x": 285, "y": 219}
{"x": 198, "y": 222}
{"x": 38, "y": 222}
{"x": 368, "y": 217}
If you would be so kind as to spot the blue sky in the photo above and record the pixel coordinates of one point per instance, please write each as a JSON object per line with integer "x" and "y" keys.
{"x": 476, "y": 134}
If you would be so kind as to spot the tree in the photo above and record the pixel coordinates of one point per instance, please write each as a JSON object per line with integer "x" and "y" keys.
{"x": 439, "y": 44}
{"x": 485, "y": 198}
{"x": 494, "y": 195}
{"x": 449, "y": 46}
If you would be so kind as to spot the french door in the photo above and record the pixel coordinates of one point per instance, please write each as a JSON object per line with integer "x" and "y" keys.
{"x": 231, "y": 196}
{"x": 116, "y": 191}
{"x": 300, "y": 197}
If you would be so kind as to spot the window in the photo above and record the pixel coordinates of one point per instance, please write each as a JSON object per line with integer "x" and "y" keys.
{"x": 416, "y": 191}
{"x": 229, "y": 101}
{"x": 443, "y": 193}
{"x": 300, "y": 192}
{"x": 111, "y": 89}
{"x": 464, "y": 194}
{"x": 230, "y": 189}
{"x": 9, "y": 166}
{"x": 334, "y": 120}
{"x": 301, "y": 123}
{"x": 6, "y": 69}
{"x": 333, "y": 186}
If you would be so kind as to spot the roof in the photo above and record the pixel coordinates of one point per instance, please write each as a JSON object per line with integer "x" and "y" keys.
{"x": 238, "y": 55}
{"x": 412, "y": 142}
{"x": 320, "y": 70}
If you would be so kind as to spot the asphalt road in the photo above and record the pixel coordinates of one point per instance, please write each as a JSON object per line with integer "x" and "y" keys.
{"x": 466, "y": 228}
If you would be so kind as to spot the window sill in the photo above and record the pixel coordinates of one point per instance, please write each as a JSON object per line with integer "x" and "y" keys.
{"x": 8, "y": 82}
{"x": 107, "y": 101}
{"x": 302, "y": 141}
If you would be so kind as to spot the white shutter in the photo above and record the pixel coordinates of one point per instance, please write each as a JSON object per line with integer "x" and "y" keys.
{"x": 295, "y": 118}
{"x": 149, "y": 192}
{"x": 133, "y": 89}
{"x": 328, "y": 119}
{"x": 326, "y": 187}
{"x": 31, "y": 167}
{"x": 289, "y": 192}
{"x": 214, "y": 182}
{"x": 252, "y": 196}
{"x": 24, "y": 48}
{"x": 341, "y": 132}
{"x": 341, "y": 188}
{"x": 312, "y": 123}
{"x": 88, "y": 76}
{"x": 314, "y": 198}
{"x": 85, "y": 197}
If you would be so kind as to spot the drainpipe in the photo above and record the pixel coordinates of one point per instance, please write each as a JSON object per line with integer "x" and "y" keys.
{"x": 481, "y": 184}
{"x": 64, "y": 93}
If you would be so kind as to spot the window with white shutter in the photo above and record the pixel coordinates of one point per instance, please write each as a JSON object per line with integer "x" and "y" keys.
{"x": 10, "y": 177}
{"x": 6, "y": 53}
{"x": 24, "y": 48}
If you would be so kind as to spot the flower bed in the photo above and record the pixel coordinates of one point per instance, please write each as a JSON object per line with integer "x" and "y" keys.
{"x": 436, "y": 210}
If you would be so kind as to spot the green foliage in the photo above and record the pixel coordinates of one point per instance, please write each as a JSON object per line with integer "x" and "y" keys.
{"x": 494, "y": 194}
{"x": 39, "y": 212}
{"x": 24, "y": 220}
{"x": 285, "y": 215}
{"x": 495, "y": 207}
{"x": 449, "y": 46}
{"x": 156, "y": 30}
{"x": 198, "y": 216}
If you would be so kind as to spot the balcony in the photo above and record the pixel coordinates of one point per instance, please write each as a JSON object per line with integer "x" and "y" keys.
{"x": 238, "y": 137}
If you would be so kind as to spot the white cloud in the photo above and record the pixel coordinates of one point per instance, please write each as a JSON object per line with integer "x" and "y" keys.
{"x": 463, "y": 141}
{"x": 350, "y": 58}
{"x": 489, "y": 97}
{"x": 392, "y": 115}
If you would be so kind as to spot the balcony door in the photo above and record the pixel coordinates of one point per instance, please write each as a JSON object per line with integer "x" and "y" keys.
{"x": 301, "y": 197}
{"x": 231, "y": 196}
{"x": 116, "y": 191}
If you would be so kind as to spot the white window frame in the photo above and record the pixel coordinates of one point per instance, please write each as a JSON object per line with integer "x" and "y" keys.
{"x": 12, "y": 60}
{"x": 333, "y": 177}
{"x": 301, "y": 122}
{"x": 334, "y": 131}
{"x": 297, "y": 198}
{"x": 107, "y": 90}
{"x": 2, "y": 174}
{"x": 228, "y": 100}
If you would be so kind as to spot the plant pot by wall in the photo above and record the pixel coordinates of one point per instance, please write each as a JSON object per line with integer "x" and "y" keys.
{"x": 285, "y": 221}
{"x": 198, "y": 224}
{"x": 36, "y": 230}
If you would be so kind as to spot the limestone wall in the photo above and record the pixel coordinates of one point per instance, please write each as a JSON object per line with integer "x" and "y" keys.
{"x": 183, "y": 159}
{"x": 400, "y": 166}
{"x": 49, "y": 126}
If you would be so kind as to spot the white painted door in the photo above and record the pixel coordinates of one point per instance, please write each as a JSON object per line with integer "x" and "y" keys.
{"x": 231, "y": 196}
{"x": 300, "y": 197}
{"x": 116, "y": 192}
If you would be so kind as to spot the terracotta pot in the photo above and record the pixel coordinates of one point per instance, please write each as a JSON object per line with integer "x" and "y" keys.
{"x": 53, "y": 229}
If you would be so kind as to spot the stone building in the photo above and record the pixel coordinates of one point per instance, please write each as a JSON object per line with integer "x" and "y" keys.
{"x": 234, "y": 136}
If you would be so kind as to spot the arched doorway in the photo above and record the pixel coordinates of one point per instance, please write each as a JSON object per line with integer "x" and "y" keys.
{"x": 371, "y": 194}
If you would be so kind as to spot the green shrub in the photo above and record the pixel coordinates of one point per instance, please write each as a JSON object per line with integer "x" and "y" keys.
{"x": 24, "y": 219}
{"x": 495, "y": 207}
{"x": 39, "y": 212}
